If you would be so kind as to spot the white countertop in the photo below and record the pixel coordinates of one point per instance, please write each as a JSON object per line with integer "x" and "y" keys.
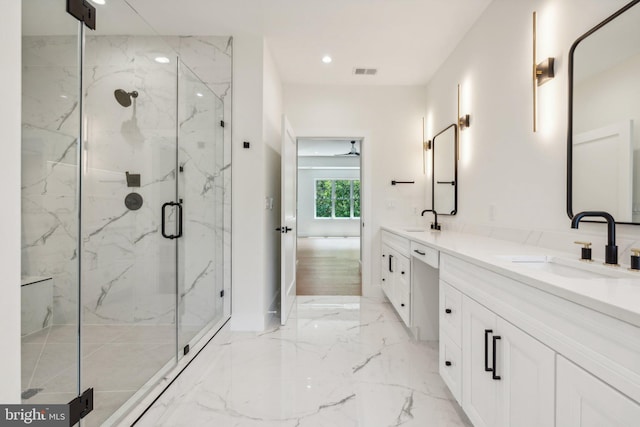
{"x": 617, "y": 297}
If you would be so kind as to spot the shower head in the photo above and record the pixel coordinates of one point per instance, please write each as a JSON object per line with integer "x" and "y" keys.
{"x": 124, "y": 97}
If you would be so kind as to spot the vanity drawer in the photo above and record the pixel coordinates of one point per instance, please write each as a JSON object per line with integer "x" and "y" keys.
{"x": 425, "y": 254}
{"x": 400, "y": 244}
{"x": 450, "y": 366}
{"x": 450, "y": 312}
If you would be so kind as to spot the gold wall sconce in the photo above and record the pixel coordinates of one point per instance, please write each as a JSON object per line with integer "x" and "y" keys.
{"x": 464, "y": 121}
{"x": 426, "y": 146}
{"x": 542, "y": 72}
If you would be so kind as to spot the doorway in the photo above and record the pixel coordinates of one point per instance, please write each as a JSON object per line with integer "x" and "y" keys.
{"x": 329, "y": 243}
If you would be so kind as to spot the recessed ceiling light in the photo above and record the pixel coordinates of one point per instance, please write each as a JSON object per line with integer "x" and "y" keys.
{"x": 100, "y": 2}
{"x": 199, "y": 95}
{"x": 326, "y": 59}
{"x": 162, "y": 60}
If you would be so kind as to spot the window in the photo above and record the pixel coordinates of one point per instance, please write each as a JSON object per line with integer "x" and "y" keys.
{"x": 337, "y": 198}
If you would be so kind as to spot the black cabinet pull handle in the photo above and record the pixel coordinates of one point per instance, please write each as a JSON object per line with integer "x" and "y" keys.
{"x": 402, "y": 272}
{"x": 402, "y": 305}
{"x": 383, "y": 279}
{"x": 383, "y": 255}
{"x": 419, "y": 252}
{"x": 447, "y": 363}
{"x": 495, "y": 369}
{"x": 486, "y": 350}
{"x": 447, "y": 310}
{"x": 390, "y": 257}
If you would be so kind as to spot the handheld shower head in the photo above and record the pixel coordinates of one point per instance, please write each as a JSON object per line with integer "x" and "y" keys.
{"x": 124, "y": 98}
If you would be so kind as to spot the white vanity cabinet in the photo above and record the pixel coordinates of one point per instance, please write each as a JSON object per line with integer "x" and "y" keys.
{"x": 532, "y": 359}
{"x": 508, "y": 376}
{"x": 585, "y": 401}
{"x": 450, "y": 337}
{"x": 396, "y": 274}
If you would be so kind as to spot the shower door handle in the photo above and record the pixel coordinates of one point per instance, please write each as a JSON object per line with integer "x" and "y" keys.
{"x": 164, "y": 222}
{"x": 179, "y": 205}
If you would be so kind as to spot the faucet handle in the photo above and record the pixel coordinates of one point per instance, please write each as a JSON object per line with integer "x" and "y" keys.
{"x": 586, "y": 250}
{"x": 635, "y": 259}
{"x": 587, "y": 245}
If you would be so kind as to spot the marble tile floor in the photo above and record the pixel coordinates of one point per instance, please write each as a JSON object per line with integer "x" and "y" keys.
{"x": 117, "y": 361}
{"x": 339, "y": 362}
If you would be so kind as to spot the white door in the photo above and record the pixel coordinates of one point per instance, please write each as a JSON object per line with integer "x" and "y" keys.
{"x": 585, "y": 401}
{"x": 288, "y": 221}
{"x": 527, "y": 371}
{"x": 479, "y": 388}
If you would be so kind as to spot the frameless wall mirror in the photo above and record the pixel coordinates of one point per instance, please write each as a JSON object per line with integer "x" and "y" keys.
{"x": 444, "y": 157}
{"x": 603, "y": 149}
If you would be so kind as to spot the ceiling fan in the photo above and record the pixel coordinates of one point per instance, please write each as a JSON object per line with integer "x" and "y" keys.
{"x": 353, "y": 151}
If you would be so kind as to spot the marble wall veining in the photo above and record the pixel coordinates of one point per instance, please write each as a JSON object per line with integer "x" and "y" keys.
{"x": 50, "y": 129}
{"x": 128, "y": 267}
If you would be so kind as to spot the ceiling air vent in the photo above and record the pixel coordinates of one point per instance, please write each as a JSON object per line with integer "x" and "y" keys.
{"x": 365, "y": 71}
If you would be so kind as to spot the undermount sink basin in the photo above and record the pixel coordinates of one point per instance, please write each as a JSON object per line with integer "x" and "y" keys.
{"x": 574, "y": 269}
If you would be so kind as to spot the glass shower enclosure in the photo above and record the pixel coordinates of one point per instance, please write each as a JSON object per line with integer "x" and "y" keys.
{"x": 123, "y": 211}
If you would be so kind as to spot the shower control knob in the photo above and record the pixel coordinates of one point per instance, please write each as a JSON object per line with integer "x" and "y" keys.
{"x": 133, "y": 201}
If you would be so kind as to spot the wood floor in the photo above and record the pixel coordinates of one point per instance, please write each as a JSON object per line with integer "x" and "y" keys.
{"x": 329, "y": 266}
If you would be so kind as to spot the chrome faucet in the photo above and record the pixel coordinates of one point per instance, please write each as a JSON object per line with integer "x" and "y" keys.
{"x": 434, "y": 224}
{"x": 611, "y": 250}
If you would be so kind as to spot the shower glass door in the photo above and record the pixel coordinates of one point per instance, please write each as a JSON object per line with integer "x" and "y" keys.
{"x": 123, "y": 206}
{"x": 200, "y": 191}
{"x": 50, "y": 210}
{"x": 128, "y": 286}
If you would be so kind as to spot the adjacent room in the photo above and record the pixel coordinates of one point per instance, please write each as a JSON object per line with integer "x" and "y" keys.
{"x": 329, "y": 218}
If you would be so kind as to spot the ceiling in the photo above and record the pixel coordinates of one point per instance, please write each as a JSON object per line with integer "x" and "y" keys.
{"x": 325, "y": 147}
{"x": 406, "y": 40}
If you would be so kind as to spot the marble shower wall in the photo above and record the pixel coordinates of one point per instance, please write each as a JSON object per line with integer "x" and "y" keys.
{"x": 210, "y": 59}
{"x": 128, "y": 268}
{"x": 50, "y": 129}
{"x": 201, "y": 160}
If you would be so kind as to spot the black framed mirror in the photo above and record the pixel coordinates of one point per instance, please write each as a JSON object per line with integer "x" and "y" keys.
{"x": 603, "y": 146}
{"x": 444, "y": 161}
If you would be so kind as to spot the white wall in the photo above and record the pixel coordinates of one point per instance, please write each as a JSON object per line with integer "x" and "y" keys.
{"x": 308, "y": 173}
{"x": 389, "y": 120}
{"x": 248, "y": 223}
{"x": 257, "y": 113}
{"x": 10, "y": 86}
{"x": 272, "y": 134}
{"x": 504, "y": 166}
